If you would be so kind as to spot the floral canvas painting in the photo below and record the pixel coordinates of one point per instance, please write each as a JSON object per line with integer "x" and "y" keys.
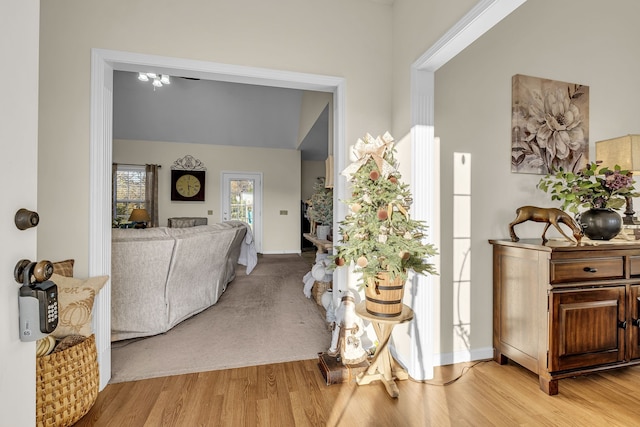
{"x": 549, "y": 125}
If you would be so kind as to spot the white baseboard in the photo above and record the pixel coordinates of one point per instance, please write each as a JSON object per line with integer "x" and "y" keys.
{"x": 462, "y": 356}
{"x": 298, "y": 252}
{"x": 444, "y": 359}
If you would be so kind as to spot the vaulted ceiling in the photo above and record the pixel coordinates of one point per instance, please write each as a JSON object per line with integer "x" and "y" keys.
{"x": 214, "y": 112}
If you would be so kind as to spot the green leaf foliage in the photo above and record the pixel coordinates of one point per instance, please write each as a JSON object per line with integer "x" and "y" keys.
{"x": 592, "y": 187}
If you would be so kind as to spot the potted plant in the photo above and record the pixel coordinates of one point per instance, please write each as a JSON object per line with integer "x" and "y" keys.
{"x": 378, "y": 236}
{"x": 597, "y": 189}
{"x": 321, "y": 209}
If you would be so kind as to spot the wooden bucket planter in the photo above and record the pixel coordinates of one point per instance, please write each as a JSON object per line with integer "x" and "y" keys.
{"x": 384, "y": 298}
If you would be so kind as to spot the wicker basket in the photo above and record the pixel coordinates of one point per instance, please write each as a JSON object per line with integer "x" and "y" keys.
{"x": 67, "y": 384}
{"x": 319, "y": 288}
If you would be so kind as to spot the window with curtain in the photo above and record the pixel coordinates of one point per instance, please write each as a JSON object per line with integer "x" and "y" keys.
{"x": 129, "y": 191}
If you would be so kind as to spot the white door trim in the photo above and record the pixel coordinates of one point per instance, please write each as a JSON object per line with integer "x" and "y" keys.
{"x": 103, "y": 63}
{"x": 257, "y": 201}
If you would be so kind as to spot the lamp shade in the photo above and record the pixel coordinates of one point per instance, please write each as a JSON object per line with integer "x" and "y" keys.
{"x": 139, "y": 215}
{"x": 623, "y": 151}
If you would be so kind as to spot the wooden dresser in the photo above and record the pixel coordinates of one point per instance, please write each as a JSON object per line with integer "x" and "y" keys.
{"x": 562, "y": 310}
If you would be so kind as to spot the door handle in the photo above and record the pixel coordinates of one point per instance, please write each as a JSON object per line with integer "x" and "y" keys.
{"x": 622, "y": 325}
{"x": 26, "y": 219}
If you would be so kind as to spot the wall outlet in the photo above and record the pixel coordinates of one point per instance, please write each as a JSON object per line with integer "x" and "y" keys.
{"x": 284, "y": 212}
{"x": 209, "y": 212}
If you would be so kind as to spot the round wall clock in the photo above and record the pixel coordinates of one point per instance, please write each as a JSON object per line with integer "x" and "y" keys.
{"x": 187, "y": 185}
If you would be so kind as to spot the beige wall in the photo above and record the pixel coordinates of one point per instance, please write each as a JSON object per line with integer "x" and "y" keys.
{"x": 417, "y": 25}
{"x": 372, "y": 46}
{"x": 313, "y": 103}
{"x": 278, "y": 34}
{"x": 581, "y": 42}
{"x": 281, "y": 184}
{"x": 311, "y": 170}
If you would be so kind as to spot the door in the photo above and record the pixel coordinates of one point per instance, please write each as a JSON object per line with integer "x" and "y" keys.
{"x": 19, "y": 175}
{"x": 242, "y": 200}
{"x": 586, "y": 327}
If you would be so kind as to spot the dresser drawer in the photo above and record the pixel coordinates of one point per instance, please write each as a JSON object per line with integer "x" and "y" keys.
{"x": 574, "y": 270}
{"x": 634, "y": 267}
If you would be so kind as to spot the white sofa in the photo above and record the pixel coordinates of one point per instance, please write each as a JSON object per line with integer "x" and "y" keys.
{"x": 162, "y": 276}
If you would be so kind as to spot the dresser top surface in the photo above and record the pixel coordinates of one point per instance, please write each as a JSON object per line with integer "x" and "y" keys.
{"x": 561, "y": 245}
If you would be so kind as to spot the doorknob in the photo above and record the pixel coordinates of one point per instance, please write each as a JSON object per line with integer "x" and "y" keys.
{"x": 26, "y": 219}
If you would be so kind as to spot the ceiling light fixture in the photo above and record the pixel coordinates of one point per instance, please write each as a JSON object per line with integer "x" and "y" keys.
{"x": 158, "y": 80}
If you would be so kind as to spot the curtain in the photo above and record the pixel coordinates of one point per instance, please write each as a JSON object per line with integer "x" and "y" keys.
{"x": 151, "y": 192}
{"x": 114, "y": 177}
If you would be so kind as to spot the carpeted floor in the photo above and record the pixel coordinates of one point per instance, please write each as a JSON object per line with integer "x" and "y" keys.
{"x": 261, "y": 318}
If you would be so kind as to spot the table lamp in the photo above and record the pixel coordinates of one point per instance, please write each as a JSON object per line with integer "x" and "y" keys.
{"x": 140, "y": 216}
{"x": 623, "y": 151}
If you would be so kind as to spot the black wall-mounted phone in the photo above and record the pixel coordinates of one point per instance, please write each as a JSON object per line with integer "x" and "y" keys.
{"x": 37, "y": 300}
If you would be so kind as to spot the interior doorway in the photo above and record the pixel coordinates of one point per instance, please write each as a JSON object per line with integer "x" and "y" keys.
{"x": 103, "y": 64}
{"x": 242, "y": 201}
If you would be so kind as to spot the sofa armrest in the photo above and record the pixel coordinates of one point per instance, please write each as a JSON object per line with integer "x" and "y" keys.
{"x": 139, "y": 272}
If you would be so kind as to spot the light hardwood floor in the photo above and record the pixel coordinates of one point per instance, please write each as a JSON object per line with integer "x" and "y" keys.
{"x": 294, "y": 394}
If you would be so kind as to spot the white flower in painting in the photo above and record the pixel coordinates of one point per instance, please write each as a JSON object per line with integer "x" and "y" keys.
{"x": 557, "y": 124}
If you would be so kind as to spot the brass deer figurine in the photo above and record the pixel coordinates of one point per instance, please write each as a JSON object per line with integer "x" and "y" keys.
{"x": 551, "y": 216}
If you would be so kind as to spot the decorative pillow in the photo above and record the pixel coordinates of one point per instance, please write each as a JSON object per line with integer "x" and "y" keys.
{"x": 64, "y": 268}
{"x": 75, "y": 304}
{"x": 182, "y": 223}
{"x": 68, "y": 342}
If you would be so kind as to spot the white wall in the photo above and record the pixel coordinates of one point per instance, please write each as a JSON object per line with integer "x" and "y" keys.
{"x": 18, "y": 145}
{"x": 587, "y": 42}
{"x": 281, "y": 186}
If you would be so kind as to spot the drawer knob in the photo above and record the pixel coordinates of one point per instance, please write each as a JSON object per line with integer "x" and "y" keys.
{"x": 635, "y": 322}
{"x": 590, "y": 270}
{"x": 622, "y": 325}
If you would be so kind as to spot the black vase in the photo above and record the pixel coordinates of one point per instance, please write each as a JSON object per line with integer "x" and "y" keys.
{"x": 600, "y": 223}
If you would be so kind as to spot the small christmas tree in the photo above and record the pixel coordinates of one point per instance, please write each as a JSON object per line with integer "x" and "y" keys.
{"x": 378, "y": 235}
{"x": 321, "y": 210}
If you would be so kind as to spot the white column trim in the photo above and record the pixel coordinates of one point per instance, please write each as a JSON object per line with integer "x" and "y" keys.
{"x": 100, "y": 154}
{"x": 426, "y": 165}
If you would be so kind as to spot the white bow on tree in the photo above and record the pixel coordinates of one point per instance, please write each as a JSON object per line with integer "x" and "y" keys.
{"x": 371, "y": 148}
